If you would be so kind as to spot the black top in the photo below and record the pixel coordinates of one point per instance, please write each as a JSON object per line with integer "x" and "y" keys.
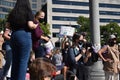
{"x": 17, "y": 24}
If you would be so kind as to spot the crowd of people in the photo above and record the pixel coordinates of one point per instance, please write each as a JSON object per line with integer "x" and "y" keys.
{"x": 25, "y": 50}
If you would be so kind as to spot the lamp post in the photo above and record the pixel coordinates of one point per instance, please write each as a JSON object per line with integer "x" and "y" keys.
{"x": 96, "y": 70}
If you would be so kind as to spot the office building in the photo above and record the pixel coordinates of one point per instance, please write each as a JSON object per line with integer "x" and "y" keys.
{"x": 65, "y": 13}
{"x": 6, "y": 5}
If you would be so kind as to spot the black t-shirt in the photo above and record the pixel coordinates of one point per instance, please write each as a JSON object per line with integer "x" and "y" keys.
{"x": 17, "y": 23}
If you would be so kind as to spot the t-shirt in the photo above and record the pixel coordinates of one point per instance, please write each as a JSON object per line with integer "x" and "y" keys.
{"x": 17, "y": 23}
{"x": 36, "y": 36}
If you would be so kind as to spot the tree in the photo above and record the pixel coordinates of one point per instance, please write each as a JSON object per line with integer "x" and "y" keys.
{"x": 111, "y": 28}
{"x": 2, "y": 24}
{"x": 46, "y": 28}
{"x": 3, "y": 21}
{"x": 84, "y": 23}
{"x": 106, "y": 30}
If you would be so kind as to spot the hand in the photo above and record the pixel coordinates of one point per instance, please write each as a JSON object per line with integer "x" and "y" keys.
{"x": 83, "y": 51}
{"x": 46, "y": 38}
{"x": 32, "y": 58}
{"x": 108, "y": 60}
{"x": 88, "y": 54}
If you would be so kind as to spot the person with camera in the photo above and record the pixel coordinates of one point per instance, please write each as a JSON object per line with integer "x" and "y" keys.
{"x": 75, "y": 56}
{"x": 84, "y": 47}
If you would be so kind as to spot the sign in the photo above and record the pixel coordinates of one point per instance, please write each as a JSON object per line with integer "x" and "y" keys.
{"x": 67, "y": 30}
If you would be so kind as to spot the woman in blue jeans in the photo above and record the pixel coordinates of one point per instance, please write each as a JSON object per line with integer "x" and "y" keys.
{"x": 20, "y": 20}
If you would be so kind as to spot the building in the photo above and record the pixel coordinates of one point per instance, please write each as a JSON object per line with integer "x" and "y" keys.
{"x": 6, "y": 5}
{"x": 65, "y": 13}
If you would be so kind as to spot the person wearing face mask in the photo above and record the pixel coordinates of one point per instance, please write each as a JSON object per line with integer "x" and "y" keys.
{"x": 41, "y": 20}
{"x": 110, "y": 56}
{"x": 65, "y": 44}
{"x": 38, "y": 36}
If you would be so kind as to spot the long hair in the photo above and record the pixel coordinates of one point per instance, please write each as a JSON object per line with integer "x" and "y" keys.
{"x": 75, "y": 37}
{"x": 20, "y": 12}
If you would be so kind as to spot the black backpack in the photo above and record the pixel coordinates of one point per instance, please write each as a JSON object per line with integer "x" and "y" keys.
{"x": 92, "y": 59}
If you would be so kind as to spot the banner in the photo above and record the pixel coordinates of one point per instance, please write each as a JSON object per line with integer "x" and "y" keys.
{"x": 67, "y": 30}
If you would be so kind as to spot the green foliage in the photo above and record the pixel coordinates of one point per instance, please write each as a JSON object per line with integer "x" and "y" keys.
{"x": 84, "y": 23}
{"x": 106, "y": 30}
{"x": 2, "y": 24}
{"x": 3, "y": 21}
{"x": 111, "y": 28}
{"x": 45, "y": 28}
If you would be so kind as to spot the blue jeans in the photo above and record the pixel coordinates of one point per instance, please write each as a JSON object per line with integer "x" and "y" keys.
{"x": 21, "y": 43}
{"x": 8, "y": 57}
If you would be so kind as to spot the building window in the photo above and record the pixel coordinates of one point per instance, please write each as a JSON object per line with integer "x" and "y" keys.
{"x": 3, "y": 9}
{"x": 76, "y": 3}
{"x": 34, "y": 0}
{"x": 34, "y": 6}
{"x": 109, "y": 5}
{"x": 43, "y": 1}
{"x": 2, "y": 16}
{"x": 70, "y": 10}
{"x": 58, "y": 26}
{"x": 6, "y": 3}
{"x": 55, "y": 34}
{"x": 110, "y": 13}
{"x": 109, "y": 20}
{"x": 64, "y": 18}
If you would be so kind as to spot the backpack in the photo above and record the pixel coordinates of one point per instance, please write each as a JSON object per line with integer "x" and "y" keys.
{"x": 94, "y": 58}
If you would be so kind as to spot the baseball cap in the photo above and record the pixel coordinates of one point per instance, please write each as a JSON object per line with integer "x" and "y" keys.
{"x": 112, "y": 36}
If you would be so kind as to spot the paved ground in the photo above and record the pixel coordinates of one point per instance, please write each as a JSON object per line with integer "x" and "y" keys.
{"x": 97, "y": 72}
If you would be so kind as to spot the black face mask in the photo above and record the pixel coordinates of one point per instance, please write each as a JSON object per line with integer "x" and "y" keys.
{"x": 66, "y": 46}
{"x": 41, "y": 20}
{"x": 81, "y": 42}
{"x": 112, "y": 43}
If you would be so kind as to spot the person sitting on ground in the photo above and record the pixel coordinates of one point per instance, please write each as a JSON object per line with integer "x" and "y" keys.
{"x": 57, "y": 60}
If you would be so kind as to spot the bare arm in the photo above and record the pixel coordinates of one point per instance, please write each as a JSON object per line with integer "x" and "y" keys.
{"x": 101, "y": 51}
{"x": 7, "y": 31}
{"x": 88, "y": 55}
{"x": 32, "y": 25}
{"x": 63, "y": 42}
{"x": 6, "y": 34}
{"x": 78, "y": 57}
{"x": 45, "y": 38}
